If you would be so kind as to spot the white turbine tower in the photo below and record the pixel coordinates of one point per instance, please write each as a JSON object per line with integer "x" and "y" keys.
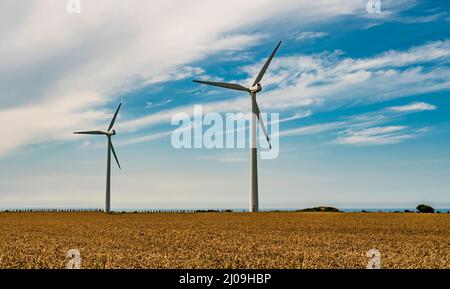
{"x": 256, "y": 115}
{"x": 109, "y": 133}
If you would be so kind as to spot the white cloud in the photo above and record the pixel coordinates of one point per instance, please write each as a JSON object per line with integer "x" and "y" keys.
{"x": 313, "y": 129}
{"x": 311, "y": 35}
{"x": 329, "y": 80}
{"x": 150, "y": 105}
{"x": 50, "y": 120}
{"x": 374, "y": 136}
{"x": 50, "y": 57}
{"x": 364, "y": 129}
{"x": 166, "y": 134}
{"x": 179, "y": 73}
{"x": 325, "y": 81}
{"x": 146, "y": 138}
{"x": 413, "y": 107}
{"x": 422, "y": 19}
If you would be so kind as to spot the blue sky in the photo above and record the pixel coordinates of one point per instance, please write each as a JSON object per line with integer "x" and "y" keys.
{"x": 368, "y": 96}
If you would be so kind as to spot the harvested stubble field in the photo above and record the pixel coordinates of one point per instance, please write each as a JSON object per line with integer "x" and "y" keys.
{"x": 224, "y": 240}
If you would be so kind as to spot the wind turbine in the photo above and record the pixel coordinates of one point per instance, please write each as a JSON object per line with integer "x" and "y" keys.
{"x": 256, "y": 114}
{"x": 108, "y": 133}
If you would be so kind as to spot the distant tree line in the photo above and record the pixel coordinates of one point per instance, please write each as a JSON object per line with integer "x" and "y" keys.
{"x": 180, "y": 211}
{"x": 50, "y": 210}
{"x": 420, "y": 209}
{"x": 117, "y": 212}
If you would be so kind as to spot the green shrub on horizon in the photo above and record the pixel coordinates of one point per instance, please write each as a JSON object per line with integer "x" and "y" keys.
{"x": 320, "y": 209}
{"x": 424, "y": 209}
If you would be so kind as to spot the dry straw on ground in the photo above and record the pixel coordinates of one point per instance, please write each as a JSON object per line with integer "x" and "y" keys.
{"x": 224, "y": 240}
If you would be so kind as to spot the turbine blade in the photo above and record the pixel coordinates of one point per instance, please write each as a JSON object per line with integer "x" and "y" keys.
{"x": 114, "y": 152}
{"x": 224, "y": 85}
{"x": 114, "y": 118}
{"x": 261, "y": 122}
{"x": 97, "y": 132}
{"x": 266, "y": 65}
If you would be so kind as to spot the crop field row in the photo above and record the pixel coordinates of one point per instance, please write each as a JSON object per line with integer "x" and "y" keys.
{"x": 224, "y": 240}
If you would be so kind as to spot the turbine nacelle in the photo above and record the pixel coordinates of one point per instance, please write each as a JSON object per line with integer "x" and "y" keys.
{"x": 255, "y": 88}
{"x": 111, "y": 132}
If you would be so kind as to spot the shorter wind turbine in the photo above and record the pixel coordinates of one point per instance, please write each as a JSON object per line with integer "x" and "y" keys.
{"x": 108, "y": 133}
{"x": 256, "y": 116}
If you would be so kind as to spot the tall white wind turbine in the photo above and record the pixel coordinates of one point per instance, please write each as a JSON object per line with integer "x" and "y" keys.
{"x": 109, "y": 133}
{"x": 256, "y": 115}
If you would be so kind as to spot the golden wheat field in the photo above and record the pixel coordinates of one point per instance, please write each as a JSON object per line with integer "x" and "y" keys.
{"x": 224, "y": 240}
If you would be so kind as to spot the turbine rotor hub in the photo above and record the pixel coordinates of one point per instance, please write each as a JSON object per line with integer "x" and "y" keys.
{"x": 256, "y": 88}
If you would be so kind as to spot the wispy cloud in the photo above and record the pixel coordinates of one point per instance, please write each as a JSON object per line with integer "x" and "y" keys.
{"x": 313, "y": 129}
{"x": 174, "y": 74}
{"x": 311, "y": 35}
{"x": 123, "y": 48}
{"x": 326, "y": 81}
{"x": 116, "y": 47}
{"x": 374, "y": 136}
{"x": 369, "y": 128}
{"x": 422, "y": 19}
{"x": 413, "y": 107}
{"x": 151, "y": 105}
{"x": 146, "y": 138}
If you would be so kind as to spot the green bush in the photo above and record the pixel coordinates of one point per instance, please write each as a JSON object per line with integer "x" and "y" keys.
{"x": 424, "y": 209}
{"x": 320, "y": 209}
